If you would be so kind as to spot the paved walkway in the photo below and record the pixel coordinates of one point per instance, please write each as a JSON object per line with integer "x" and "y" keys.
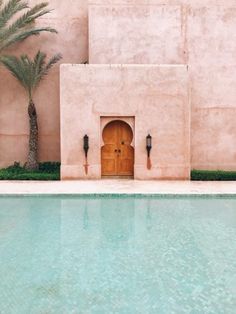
{"x": 117, "y": 187}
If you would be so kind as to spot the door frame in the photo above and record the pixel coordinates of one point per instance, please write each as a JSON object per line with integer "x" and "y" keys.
{"x": 104, "y": 121}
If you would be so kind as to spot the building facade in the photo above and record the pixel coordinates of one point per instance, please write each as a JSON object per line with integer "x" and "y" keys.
{"x": 164, "y": 68}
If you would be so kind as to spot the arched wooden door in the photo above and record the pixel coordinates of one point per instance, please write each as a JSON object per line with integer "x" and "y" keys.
{"x": 117, "y": 152}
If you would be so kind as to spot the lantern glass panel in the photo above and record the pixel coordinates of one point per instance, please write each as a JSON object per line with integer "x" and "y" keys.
{"x": 149, "y": 141}
{"x": 86, "y": 141}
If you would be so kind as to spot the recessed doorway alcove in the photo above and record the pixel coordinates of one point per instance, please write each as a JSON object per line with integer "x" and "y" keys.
{"x": 117, "y": 153}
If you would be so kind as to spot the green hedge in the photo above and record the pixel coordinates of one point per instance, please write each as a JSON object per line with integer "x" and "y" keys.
{"x": 50, "y": 167}
{"x": 217, "y": 175}
{"x": 48, "y": 171}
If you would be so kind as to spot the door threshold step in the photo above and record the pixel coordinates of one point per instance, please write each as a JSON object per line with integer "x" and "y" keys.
{"x": 118, "y": 177}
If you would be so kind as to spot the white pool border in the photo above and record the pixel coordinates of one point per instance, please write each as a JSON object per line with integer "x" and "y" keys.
{"x": 112, "y": 187}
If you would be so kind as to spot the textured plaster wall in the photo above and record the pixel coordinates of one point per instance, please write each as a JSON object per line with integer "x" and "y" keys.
{"x": 70, "y": 18}
{"x": 157, "y": 96}
{"x": 136, "y": 34}
{"x": 198, "y": 33}
{"x": 212, "y": 50}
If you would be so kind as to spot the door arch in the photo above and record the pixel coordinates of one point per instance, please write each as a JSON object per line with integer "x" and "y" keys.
{"x": 117, "y": 154}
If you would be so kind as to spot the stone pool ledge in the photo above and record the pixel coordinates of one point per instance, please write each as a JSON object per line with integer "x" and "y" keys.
{"x": 124, "y": 187}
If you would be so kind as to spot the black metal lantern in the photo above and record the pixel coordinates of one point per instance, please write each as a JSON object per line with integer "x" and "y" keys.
{"x": 149, "y": 148}
{"x": 86, "y": 149}
{"x": 148, "y": 144}
{"x": 86, "y": 145}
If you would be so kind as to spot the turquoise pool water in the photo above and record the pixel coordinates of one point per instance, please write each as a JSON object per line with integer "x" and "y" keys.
{"x": 117, "y": 255}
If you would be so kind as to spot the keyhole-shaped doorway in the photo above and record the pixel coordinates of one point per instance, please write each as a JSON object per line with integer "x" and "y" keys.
{"x": 117, "y": 152}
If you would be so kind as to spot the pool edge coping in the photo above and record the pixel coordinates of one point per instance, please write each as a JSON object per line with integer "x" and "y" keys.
{"x": 125, "y": 195}
{"x": 118, "y": 188}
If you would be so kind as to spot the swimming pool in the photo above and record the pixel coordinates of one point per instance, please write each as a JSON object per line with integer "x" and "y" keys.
{"x": 119, "y": 255}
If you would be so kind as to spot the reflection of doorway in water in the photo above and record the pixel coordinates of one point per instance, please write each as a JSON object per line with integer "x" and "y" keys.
{"x": 117, "y": 219}
{"x": 148, "y": 216}
{"x": 86, "y": 217}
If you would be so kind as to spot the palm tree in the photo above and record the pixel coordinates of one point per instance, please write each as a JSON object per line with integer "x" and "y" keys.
{"x": 30, "y": 73}
{"x": 17, "y": 21}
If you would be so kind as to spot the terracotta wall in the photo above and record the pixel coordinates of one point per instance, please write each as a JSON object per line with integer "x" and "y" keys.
{"x": 198, "y": 33}
{"x": 152, "y": 34}
{"x": 156, "y": 96}
{"x": 212, "y": 50}
{"x": 70, "y": 19}
{"x": 207, "y": 33}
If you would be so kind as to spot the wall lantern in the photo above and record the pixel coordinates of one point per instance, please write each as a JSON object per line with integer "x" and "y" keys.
{"x": 86, "y": 149}
{"x": 149, "y": 148}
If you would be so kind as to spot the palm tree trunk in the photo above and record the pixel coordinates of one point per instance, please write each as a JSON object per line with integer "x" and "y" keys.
{"x": 32, "y": 161}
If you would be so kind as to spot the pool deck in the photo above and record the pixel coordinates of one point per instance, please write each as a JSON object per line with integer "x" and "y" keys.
{"x": 117, "y": 187}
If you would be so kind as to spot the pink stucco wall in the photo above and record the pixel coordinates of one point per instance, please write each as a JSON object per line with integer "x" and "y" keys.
{"x": 136, "y": 34}
{"x": 200, "y": 33}
{"x": 212, "y": 50}
{"x": 155, "y": 96}
{"x": 70, "y": 19}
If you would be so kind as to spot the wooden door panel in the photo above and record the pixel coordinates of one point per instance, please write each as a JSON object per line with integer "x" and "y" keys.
{"x": 109, "y": 167}
{"x": 117, "y": 152}
{"x": 125, "y": 134}
{"x": 109, "y": 163}
{"x": 126, "y": 161}
{"x": 125, "y": 167}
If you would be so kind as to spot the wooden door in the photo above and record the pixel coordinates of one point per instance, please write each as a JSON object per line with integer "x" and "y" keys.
{"x": 117, "y": 152}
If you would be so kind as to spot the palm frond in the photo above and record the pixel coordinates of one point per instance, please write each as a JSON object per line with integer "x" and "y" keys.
{"x": 29, "y": 72}
{"x": 26, "y": 19}
{"x": 20, "y": 36}
{"x": 17, "y": 68}
{"x": 23, "y": 26}
{"x": 55, "y": 59}
{"x": 10, "y": 9}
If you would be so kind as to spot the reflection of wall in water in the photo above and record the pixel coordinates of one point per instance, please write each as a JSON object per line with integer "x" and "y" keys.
{"x": 117, "y": 218}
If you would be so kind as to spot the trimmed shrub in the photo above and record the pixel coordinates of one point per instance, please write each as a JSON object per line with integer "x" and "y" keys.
{"x": 211, "y": 175}
{"x": 50, "y": 166}
{"x": 49, "y": 171}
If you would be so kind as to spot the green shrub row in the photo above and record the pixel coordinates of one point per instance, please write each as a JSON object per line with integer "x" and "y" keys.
{"x": 210, "y": 175}
{"x": 50, "y": 167}
{"x": 48, "y": 171}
